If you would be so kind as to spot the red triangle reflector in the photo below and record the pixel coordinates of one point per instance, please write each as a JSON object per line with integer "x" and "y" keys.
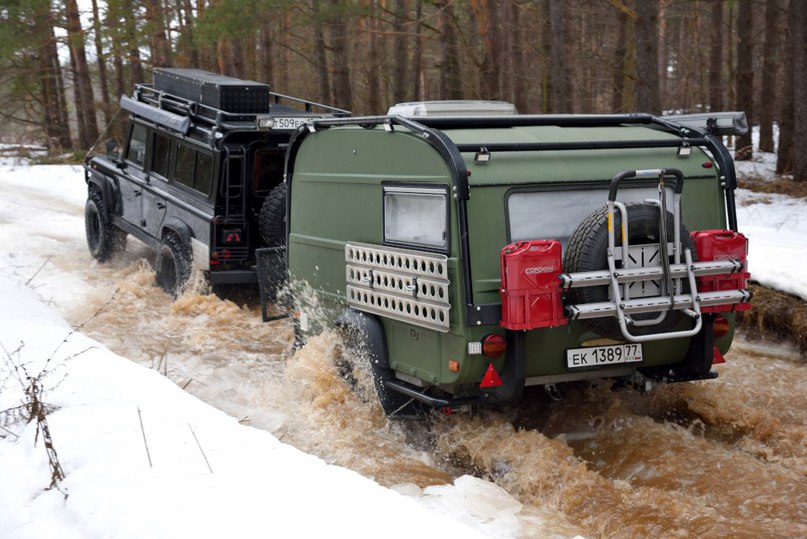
{"x": 491, "y": 378}
{"x": 717, "y": 357}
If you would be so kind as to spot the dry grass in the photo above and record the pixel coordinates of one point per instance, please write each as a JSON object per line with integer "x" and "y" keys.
{"x": 796, "y": 189}
{"x": 776, "y": 314}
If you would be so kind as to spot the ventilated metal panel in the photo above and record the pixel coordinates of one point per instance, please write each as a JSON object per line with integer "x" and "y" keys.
{"x": 410, "y": 286}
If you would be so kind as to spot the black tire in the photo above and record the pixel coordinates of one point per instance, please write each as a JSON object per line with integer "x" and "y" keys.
{"x": 103, "y": 238}
{"x": 272, "y": 217}
{"x": 364, "y": 342}
{"x": 587, "y": 251}
{"x": 173, "y": 265}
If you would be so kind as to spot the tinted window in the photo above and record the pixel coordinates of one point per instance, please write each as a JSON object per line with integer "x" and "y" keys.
{"x": 183, "y": 171}
{"x": 204, "y": 169}
{"x": 162, "y": 155}
{"x": 137, "y": 145}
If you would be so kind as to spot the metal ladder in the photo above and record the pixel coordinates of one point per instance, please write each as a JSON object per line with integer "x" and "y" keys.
{"x": 671, "y": 276}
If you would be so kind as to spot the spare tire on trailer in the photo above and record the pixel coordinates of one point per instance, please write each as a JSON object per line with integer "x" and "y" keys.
{"x": 588, "y": 249}
{"x": 272, "y": 217}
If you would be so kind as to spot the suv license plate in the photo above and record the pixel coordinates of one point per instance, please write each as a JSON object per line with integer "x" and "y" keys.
{"x": 288, "y": 123}
{"x": 598, "y": 356}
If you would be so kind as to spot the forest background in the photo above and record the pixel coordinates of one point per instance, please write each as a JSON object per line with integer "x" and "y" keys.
{"x": 64, "y": 64}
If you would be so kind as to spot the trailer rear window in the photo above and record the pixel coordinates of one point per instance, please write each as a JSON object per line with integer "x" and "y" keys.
{"x": 543, "y": 214}
{"x": 416, "y": 217}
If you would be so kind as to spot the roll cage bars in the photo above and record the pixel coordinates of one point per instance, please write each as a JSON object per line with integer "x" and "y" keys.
{"x": 687, "y": 127}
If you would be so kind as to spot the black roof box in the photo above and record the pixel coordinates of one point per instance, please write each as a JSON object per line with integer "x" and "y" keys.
{"x": 213, "y": 90}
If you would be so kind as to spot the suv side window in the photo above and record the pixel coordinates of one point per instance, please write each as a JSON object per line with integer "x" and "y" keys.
{"x": 193, "y": 169}
{"x": 183, "y": 170}
{"x": 162, "y": 155}
{"x": 136, "y": 152}
{"x": 204, "y": 170}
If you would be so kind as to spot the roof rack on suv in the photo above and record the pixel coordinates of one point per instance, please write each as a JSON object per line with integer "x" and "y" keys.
{"x": 210, "y": 100}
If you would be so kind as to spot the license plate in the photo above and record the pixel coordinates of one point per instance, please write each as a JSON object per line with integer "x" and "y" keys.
{"x": 599, "y": 356}
{"x": 288, "y": 123}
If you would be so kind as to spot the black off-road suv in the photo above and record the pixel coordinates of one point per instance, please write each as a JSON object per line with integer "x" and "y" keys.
{"x": 200, "y": 175}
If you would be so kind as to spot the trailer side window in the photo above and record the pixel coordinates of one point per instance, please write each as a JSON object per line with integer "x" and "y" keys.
{"x": 416, "y": 216}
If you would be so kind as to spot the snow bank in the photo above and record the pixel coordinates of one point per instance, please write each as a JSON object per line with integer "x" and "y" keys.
{"x": 198, "y": 474}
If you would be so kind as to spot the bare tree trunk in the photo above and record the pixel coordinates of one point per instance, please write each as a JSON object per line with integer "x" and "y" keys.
{"x": 103, "y": 75}
{"x": 400, "y": 67}
{"x": 451, "y": 68}
{"x": 155, "y": 27}
{"x": 267, "y": 54}
{"x": 54, "y": 120}
{"x": 648, "y": 97}
{"x": 417, "y": 60}
{"x": 373, "y": 69}
{"x": 237, "y": 58}
{"x": 560, "y": 70}
{"x": 716, "y": 57}
{"x": 546, "y": 57}
{"x": 520, "y": 72}
{"x": 798, "y": 20}
{"x": 85, "y": 100}
{"x": 342, "y": 93}
{"x": 224, "y": 55}
{"x": 620, "y": 62}
{"x": 769, "y": 82}
{"x": 321, "y": 55}
{"x": 187, "y": 33}
{"x": 136, "y": 65}
{"x": 487, "y": 22}
{"x": 744, "y": 149}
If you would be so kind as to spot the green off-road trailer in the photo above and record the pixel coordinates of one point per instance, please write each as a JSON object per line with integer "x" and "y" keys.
{"x": 470, "y": 256}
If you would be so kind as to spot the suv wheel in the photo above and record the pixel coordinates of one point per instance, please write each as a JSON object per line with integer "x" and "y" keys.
{"x": 272, "y": 218}
{"x": 173, "y": 265}
{"x": 587, "y": 251}
{"x": 103, "y": 238}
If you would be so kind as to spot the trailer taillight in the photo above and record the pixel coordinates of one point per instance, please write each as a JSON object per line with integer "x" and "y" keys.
{"x": 720, "y": 327}
{"x": 493, "y": 345}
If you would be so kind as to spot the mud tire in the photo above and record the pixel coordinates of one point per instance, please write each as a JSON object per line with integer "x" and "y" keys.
{"x": 272, "y": 217}
{"x": 104, "y": 239}
{"x": 587, "y": 251}
{"x": 173, "y": 265}
{"x": 363, "y": 337}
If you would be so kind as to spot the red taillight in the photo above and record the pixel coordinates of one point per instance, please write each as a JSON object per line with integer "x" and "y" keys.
{"x": 493, "y": 345}
{"x": 720, "y": 327}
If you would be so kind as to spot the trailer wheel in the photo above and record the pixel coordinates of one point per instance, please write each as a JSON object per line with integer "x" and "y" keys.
{"x": 103, "y": 238}
{"x": 587, "y": 251}
{"x": 173, "y": 265}
{"x": 272, "y": 217}
{"x": 364, "y": 341}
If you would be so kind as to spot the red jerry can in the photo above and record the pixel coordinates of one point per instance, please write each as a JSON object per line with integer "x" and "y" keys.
{"x": 531, "y": 295}
{"x": 722, "y": 245}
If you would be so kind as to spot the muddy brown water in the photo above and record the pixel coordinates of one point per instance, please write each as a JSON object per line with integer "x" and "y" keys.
{"x": 723, "y": 458}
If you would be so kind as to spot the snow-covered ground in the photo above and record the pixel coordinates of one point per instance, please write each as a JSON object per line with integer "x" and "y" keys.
{"x": 142, "y": 458}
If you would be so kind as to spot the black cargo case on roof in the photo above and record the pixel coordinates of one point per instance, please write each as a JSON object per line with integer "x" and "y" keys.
{"x": 216, "y": 91}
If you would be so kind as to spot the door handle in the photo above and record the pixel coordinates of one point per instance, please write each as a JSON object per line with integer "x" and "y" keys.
{"x": 160, "y": 206}
{"x": 137, "y": 194}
